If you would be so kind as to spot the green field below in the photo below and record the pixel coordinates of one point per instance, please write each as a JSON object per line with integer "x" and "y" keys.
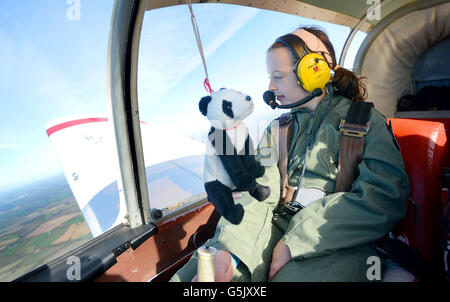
{"x": 24, "y": 244}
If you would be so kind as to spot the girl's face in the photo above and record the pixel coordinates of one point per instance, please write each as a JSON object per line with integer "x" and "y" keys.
{"x": 283, "y": 81}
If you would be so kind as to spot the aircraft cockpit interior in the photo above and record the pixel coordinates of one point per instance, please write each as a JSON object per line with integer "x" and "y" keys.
{"x": 102, "y": 159}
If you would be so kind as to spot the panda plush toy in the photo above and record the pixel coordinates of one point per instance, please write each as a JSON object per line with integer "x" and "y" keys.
{"x": 230, "y": 164}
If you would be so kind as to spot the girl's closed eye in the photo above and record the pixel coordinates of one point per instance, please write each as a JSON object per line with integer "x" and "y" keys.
{"x": 277, "y": 76}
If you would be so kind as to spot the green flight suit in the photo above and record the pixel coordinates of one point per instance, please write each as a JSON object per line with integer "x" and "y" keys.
{"x": 328, "y": 239}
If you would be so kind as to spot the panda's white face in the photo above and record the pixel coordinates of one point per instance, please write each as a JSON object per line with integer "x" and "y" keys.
{"x": 225, "y": 107}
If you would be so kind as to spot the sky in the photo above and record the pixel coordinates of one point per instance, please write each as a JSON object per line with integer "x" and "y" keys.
{"x": 53, "y": 64}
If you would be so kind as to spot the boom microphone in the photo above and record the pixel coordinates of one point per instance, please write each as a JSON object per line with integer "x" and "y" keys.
{"x": 269, "y": 99}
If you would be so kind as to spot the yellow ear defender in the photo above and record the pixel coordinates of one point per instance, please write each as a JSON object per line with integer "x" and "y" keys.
{"x": 312, "y": 70}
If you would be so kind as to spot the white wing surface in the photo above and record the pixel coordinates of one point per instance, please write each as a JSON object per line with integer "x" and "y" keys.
{"x": 86, "y": 150}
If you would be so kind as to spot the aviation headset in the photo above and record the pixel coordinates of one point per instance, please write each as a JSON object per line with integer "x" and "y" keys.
{"x": 311, "y": 69}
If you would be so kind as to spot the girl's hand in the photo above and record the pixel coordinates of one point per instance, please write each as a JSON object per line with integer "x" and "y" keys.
{"x": 280, "y": 256}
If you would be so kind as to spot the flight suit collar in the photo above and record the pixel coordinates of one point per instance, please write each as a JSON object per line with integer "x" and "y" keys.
{"x": 320, "y": 107}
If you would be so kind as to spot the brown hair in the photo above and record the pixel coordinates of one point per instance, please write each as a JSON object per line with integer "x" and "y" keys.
{"x": 344, "y": 81}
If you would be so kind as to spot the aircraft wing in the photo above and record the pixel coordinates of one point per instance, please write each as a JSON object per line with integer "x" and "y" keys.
{"x": 85, "y": 147}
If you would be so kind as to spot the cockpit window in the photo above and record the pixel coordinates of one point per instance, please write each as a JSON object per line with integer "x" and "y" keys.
{"x": 171, "y": 78}
{"x": 52, "y": 93}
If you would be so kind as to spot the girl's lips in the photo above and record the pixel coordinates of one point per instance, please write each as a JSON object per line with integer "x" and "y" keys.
{"x": 280, "y": 97}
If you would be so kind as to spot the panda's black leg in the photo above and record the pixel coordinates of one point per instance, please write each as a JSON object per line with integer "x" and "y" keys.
{"x": 222, "y": 199}
{"x": 260, "y": 192}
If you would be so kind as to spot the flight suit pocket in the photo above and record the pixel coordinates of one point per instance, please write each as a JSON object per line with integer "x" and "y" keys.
{"x": 321, "y": 170}
{"x": 331, "y": 161}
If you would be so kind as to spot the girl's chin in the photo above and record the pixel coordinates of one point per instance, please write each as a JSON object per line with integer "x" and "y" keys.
{"x": 285, "y": 101}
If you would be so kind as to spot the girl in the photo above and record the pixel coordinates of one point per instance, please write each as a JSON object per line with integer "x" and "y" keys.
{"x": 327, "y": 238}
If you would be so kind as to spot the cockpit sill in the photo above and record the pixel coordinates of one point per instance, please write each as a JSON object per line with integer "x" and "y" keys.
{"x": 98, "y": 256}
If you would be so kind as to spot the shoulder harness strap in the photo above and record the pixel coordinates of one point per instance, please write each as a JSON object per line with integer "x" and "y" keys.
{"x": 284, "y": 136}
{"x": 354, "y": 129}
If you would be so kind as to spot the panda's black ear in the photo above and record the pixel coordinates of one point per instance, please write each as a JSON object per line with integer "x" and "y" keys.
{"x": 203, "y": 104}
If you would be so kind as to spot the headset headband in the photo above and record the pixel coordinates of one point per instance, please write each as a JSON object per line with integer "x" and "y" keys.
{"x": 314, "y": 43}
{"x": 296, "y": 45}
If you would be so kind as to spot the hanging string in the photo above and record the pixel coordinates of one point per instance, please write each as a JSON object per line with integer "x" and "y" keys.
{"x": 206, "y": 83}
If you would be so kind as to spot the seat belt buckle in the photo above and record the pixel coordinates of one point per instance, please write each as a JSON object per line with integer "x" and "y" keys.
{"x": 302, "y": 198}
{"x": 353, "y": 130}
{"x": 292, "y": 207}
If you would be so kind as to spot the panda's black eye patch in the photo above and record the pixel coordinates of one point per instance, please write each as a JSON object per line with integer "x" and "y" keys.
{"x": 226, "y": 107}
{"x": 203, "y": 104}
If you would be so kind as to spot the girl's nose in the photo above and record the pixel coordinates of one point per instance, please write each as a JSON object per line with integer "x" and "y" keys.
{"x": 271, "y": 86}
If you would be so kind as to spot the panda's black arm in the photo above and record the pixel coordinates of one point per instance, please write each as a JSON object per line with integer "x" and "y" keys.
{"x": 248, "y": 158}
{"x": 239, "y": 174}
